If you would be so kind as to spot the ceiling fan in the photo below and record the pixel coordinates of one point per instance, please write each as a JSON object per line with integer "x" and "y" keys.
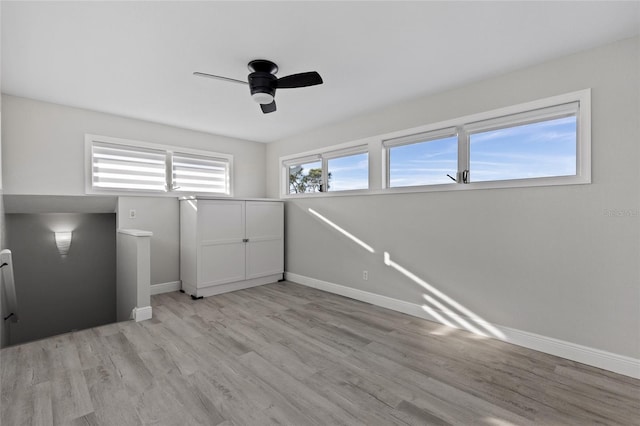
{"x": 263, "y": 82}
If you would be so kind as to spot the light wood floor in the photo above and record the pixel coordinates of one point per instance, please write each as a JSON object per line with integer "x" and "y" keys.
{"x": 291, "y": 355}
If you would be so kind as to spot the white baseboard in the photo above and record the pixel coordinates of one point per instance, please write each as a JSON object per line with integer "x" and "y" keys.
{"x": 142, "y": 314}
{"x": 620, "y": 364}
{"x": 167, "y": 287}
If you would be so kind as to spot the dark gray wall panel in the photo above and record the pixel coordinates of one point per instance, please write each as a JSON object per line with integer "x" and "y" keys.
{"x": 58, "y": 294}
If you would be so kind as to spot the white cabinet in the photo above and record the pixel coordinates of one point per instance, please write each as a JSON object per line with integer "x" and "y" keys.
{"x": 228, "y": 245}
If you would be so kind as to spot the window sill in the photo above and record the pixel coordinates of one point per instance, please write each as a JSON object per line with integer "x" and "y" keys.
{"x": 170, "y": 194}
{"x": 450, "y": 187}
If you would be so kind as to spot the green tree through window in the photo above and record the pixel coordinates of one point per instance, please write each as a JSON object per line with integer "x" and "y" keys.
{"x": 301, "y": 182}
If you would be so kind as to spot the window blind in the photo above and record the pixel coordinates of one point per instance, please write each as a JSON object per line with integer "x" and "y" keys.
{"x": 194, "y": 173}
{"x": 121, "y": 167}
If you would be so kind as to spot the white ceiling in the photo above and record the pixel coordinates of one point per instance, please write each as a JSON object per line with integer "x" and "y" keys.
{"x": 136, "y": 59}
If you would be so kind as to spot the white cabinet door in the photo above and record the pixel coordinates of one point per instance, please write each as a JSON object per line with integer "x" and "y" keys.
{"x": 221, "y": 230}
{"x": 265, "y": 234}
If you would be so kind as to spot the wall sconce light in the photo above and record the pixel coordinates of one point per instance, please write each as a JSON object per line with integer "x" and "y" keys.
{"x": 63, "y": 242}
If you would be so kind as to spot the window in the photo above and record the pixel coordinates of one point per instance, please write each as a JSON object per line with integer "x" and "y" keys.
{"x": 339, "y": 170}
{"x": 305, "y": 177}
{"x": 425, "y": 159}
{"x": 541, "y": 143}
{"x": 196, "y": 173}
{"x": 348, "y": 172}
{"x": 524, "y": 146}
{"x": 538, "y": 143}
{"x": 131, "y": 166}
{"x": 122, "y": 167}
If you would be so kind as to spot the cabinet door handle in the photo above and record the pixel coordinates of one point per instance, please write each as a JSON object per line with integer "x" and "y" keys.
{"x": 245, "y": 240}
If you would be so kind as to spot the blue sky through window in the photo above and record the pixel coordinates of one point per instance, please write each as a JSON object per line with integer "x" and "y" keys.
{"x": 543, "y": 149}
{"x": 350, "y": 172}
{"x": 423, "y": 163}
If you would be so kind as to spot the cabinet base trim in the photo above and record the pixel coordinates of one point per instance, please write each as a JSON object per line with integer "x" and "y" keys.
{"x": 225, "y": 288}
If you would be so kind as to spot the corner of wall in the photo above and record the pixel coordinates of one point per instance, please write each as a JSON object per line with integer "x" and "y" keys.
{"x": 4, "y": 327}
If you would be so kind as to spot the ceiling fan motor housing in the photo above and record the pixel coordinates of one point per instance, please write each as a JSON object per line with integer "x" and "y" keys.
{"x": 262, "y": 80}
{"x": 262, "y": 86}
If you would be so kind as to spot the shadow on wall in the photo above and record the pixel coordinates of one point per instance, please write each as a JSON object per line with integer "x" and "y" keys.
{"x": 65, "y": 272}
{"x": 437, "y": 304}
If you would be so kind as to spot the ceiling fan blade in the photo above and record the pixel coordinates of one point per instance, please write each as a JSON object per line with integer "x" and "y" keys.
{"x": 218, "y": 77}
{"x": 267, "y": 108}
{"x": 303, "y": 79}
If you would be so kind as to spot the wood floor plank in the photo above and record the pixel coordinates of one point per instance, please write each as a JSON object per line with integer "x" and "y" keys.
{"x": 254, "y": 394}
{"x": 140, "y": 339}
{"x": 87, "y": 420}
{"x": 90, "y": 348}
{"x": 70, "y": 396}
{"x": 441, "y": 369}
{"x": 196, "y": 407}
{"x": 285, "y": 354}
{"x": 20, "y": 409}
{"x": 286, "y": 360}
{"x": 158, "y": 362}
{"x": 42, "y": 406}
{"x": 361, "y": 404}
{"x": 134, "y": 375}
{"x": 63, "y": 353}
{"x": 155, "y": 406}
{"x": 300, "y": 395}
{"x": 174, "y": 349}
{"x": 38, "y": 356}
{"x": 232, "y": 398}
{"x": 419, "y": 416}
{"x": 112, "y": 404}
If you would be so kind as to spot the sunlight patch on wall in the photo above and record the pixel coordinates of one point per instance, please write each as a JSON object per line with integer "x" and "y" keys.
{"x": 446, "y": 309}
{"x": 353, "y": 238}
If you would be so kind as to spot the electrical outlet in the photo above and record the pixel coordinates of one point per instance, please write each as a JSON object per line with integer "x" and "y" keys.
{"x": 132, "y": 214}
{"x": 365, "y": 275}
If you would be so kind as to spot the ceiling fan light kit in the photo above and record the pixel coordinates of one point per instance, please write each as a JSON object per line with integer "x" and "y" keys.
{"x": 263, "y": 82}
{"x": 262, "y": 98}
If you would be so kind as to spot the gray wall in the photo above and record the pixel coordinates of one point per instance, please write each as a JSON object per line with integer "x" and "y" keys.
{"x": 162, "y": 217}
{"x": 58, "y": 294}
{"x": 4, "y": 326}
{"x": 546, "y": 260}
{"x": 43, "y": 146}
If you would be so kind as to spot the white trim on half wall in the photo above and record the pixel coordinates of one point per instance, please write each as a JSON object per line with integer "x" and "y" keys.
{"x": 167, "y": 287}
{"x": 142, "y": 314}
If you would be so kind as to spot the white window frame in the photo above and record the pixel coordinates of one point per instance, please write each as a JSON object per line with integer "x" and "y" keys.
{"x": 522, "y": 119}
{"x": 336, "y": 151}
{"x": 424, "y": 137}
{"x": 340, "y": 153}
{"x": 521, "y": 114}
{"x": 378, "y": 146}
{"x": 169, "y": 150}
